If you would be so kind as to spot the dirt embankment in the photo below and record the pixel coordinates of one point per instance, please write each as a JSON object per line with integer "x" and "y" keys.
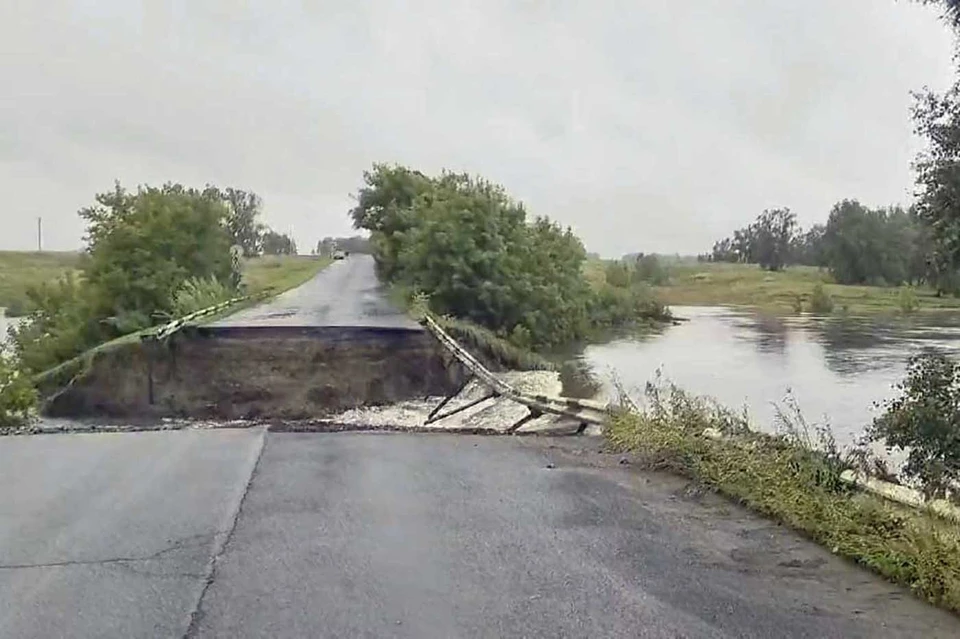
{"x": 288, "y": 373}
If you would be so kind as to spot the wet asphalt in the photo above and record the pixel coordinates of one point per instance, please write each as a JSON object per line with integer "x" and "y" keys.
{"x": 244, "y": 533}
{"x": 347, "y": 293}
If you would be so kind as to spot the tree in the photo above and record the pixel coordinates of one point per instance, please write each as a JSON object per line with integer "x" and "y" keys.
{"x": 274, "y": 243}
{"x": 470, "y": 248}
{"x": 242, "y": 221}
{"x": 142, "y": 246}
{"x": 774, "y": 234}
{"x": 925, "y": 421}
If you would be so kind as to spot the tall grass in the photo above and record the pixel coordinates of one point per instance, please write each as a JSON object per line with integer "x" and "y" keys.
{"x": 196, "y": 294}
{"x": 794, "y": 478}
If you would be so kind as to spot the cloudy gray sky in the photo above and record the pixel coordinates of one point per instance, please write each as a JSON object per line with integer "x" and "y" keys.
{"x": 651, "y": 125}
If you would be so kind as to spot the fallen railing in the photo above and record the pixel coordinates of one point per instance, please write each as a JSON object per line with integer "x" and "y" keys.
{"x": 584, "y": 411}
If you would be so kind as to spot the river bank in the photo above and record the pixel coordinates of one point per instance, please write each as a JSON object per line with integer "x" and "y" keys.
{"x": 747, "y": 285}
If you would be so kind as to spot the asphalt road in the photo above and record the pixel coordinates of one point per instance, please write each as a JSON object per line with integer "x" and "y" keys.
{"x": 233, "y": 533}
{"x": 346, "y": 293}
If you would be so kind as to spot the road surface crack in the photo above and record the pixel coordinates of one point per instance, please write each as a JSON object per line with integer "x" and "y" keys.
{"x": 180, "y": 544}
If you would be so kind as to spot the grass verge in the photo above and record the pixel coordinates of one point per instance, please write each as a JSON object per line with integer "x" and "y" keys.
{"x": 793, "y": 480}
{"x": 715, "y": 284}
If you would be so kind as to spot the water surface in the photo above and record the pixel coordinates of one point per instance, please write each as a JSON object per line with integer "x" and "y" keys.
{"x": 837, "y": 368}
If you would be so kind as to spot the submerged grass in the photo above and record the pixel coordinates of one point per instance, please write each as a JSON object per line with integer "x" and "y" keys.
{"x": 794, "y": 478}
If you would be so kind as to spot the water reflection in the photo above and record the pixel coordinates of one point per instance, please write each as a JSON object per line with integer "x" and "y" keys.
{"x": 837, "y": 368}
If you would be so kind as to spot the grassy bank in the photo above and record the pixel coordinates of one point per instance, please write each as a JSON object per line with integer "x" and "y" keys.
{"x": 21, "y": 270}
{"x": 716, "y": 284}
{"x": 790, "y": 479}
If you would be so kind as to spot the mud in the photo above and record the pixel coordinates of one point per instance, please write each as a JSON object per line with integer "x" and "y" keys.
{"x": 259, "y": 373}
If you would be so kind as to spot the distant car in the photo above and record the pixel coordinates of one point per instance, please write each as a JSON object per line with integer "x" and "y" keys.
{"x": 339, "y": 255}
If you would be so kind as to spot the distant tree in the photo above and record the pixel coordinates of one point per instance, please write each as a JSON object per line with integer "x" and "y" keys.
{"x": 808, "y": 248}
{"x": 242, "y": 222}
{"x": 278, "y": 244}
{"x": 774, "y": 234}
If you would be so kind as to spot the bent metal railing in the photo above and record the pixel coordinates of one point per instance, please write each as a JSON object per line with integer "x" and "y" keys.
{"x": 584, "y": 411}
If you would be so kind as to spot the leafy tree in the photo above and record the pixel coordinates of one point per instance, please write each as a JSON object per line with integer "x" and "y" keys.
{"x": 142, "y": 246}
{"x": 274, "y": 243}
{"x": 774, "y": 234}
{"x": 471, "y": 249}
{"x": 18, "y": 397}
{"x": 808, "y": 247}
{"x": 242, "y": 220}
{"x": 925, "y": 421}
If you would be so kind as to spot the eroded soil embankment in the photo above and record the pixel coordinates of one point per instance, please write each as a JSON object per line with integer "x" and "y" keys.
{"x": 270, "y": 372}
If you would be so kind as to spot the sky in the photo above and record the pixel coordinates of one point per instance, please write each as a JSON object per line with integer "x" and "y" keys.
{"x": 645, "y": 125}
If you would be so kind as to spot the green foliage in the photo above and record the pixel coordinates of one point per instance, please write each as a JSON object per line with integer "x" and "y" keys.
{"x": 471, "y": 248}
{"x": 274, "y": 243}
{"x": 925, "y": 420}
{"x": 820, "y": 301}
{"x": 649, "y": 269}
{"x": 907, "y": 299}
{"x": 62, "y": 324}
{"x": 879, "y": 247}
{"x": 769, "y": 241}
{"x": 242, "y": 221}
{"x": 144, "y": 245}
{"x": 618, "y": 274}
{"x": 18, "y": 397}
{"x": 196, "y": 294}
{"x": 793, "y": 479}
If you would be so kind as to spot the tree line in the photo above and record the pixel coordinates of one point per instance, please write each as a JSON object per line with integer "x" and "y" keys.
{"x": 859, "y": 245}
{"x": 475, "y": 254}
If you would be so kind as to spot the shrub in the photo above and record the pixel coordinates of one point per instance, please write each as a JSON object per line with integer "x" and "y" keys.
{"x": 907, "y": 299}
{"x": 197, "y": 293}
{"x": 650, "y": 269}
{"x": 61, "y": 325}
{"x": 617, "y": 275}
{"x": 925, "y": 420}
{"x": 820, "y": 301}
{"x": 18, "y": 397}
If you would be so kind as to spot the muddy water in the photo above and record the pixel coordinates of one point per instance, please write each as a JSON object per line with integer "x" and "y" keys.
{"x": 835, "y": 368}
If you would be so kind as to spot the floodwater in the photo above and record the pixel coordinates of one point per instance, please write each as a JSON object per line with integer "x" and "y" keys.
{"x": 836, "y": 369}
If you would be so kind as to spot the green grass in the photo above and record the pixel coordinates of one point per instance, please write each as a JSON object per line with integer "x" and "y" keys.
{"x": 280, "y": 272}
{"x": 794, "y": 482}
{"x": 715, "y": 284}
{"x": 20, "y": 270}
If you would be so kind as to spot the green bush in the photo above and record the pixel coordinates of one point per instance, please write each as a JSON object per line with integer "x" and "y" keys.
{"x": 820, "y": 301}
{"x": 925, "y": 420}
{"x": 196, "y": 294}
{"x": 617, "y": 274}
{"x": 907, "y": 299}
{"x": 18, "y": 397}
{"x": 650, "y": 270}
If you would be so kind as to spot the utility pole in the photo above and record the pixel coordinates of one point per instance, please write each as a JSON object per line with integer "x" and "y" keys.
{"x": 39, "y": 234}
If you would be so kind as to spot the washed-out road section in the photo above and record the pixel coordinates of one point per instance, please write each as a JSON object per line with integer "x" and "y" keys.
{"x": 244, "y": 533}
{"x": 346, "y": 293}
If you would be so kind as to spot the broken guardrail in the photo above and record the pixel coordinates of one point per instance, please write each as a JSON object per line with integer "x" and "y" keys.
{"x": 584, "y": 411}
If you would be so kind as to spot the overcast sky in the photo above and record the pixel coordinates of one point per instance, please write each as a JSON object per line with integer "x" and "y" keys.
{"x": 653, "y": 125}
